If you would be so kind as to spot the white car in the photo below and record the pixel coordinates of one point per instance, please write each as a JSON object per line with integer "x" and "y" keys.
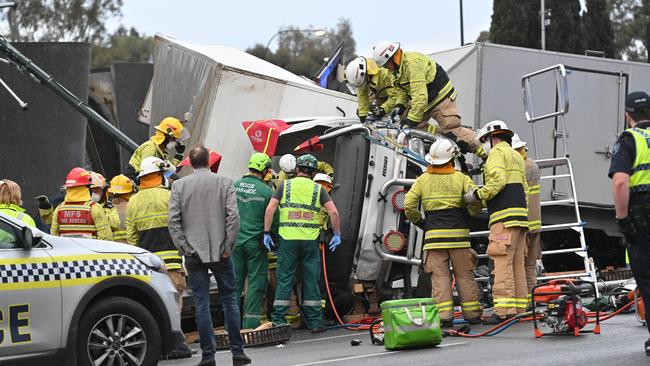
{"x": 82, "y": 302}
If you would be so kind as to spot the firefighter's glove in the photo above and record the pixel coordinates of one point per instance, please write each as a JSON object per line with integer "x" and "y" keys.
{"x": 397, "y": 111}
{"x": 335, "y": 242}
{"x": 180, "y": 148}
{"x": 43, "y": 202}
{"x": 627, "y": 228}
{"x": 379, "y": 112}
{"x": 268, "y": 241}
{"x": 471, "y": 197}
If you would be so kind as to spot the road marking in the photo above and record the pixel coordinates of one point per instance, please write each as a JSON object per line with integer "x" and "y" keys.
{"x": 368, "y": 355}
{"x": 324, "y": 338}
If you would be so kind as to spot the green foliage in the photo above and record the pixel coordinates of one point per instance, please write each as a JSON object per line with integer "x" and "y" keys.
{"x": 599, "y": 35}
{"x": 629, "y": 24}
{"x": 515, "y": 23}
{"x": 61, "y": 20}
{"x": 123, "y": 46}
{"x": 565, "y": 33}
{"x": 303, "y": 52}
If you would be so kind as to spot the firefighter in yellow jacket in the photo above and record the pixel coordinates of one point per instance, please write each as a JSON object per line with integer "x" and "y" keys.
{"x": 166, "y": 144}
{"x": 426, "y": 84}
{"x": 146, "y": 220}
{"x": 121, "y": 189}
{"x": 533, "y": 238}
{"x": 375, "y": 87}
{"x": 79, "y": 216}
{"x": 441, "y": 192}
{"x": 505, "y": 192}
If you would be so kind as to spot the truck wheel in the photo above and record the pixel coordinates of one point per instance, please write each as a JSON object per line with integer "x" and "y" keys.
{"x": 118, "y": 331}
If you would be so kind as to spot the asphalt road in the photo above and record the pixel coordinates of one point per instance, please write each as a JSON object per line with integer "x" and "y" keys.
{"x": 620, "y": 343}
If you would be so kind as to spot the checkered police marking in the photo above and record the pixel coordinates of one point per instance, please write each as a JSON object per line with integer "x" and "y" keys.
{"x": 42, "y": 274}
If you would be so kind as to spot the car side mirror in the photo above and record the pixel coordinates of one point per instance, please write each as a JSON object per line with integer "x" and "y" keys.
{"x": 29, "y": 239}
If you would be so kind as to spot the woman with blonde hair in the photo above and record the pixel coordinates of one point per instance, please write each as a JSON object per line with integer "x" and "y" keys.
{"x": 10, "y": 202}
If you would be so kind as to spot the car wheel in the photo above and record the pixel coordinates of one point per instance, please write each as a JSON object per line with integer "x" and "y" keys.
{"x": 118, "y": 331}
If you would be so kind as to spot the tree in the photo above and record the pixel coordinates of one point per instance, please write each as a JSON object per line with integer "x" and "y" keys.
{"x": 303, "y": 53}
{"x": 565, "y": 33}
{"x": 62, "y": 20}
{"x": 598, "y": 28}
{"x": 629, "y": 20}
{"x": 514, "y": 23}
{"x": 484, "y": 36}
{"x": 123, "y": 46}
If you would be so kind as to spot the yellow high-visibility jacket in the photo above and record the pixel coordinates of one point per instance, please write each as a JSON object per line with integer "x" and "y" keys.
{"x": 423, "y": 81}
{"x": 382, "y": 87}
{"x": 147, "y": 149}
{"x": 505, "y": 188}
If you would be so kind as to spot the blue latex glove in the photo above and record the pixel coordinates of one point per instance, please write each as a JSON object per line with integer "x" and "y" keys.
{"x": 268, "y": 242}
{"x": 335, "y": 242}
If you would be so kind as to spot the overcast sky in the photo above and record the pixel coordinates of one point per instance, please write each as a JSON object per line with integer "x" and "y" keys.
{"x": 424, "y": 25}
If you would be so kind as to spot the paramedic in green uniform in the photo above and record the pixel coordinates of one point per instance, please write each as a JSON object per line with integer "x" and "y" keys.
{"x": 300, "y": 201}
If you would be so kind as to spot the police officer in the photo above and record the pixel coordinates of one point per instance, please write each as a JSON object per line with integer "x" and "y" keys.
{"x": 78, "y": 216}
{"x": 441, "y": 190}
{"x": 630, "y": 173}
{"x": 249, "y": 257}
{"x": 300, "y": 200}
{"x": 505, "y": 193}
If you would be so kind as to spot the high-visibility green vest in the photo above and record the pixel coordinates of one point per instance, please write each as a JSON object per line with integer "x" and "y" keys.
{"x": 299, "y": 209}
{"x": 640, "y": 180}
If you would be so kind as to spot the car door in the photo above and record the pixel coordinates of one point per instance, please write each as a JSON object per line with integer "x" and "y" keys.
{"x": 30, "y": 296}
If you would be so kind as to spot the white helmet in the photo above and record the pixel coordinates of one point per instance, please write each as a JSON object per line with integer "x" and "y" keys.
{"x": 383, "y": 51}
{"x": 321, "y": 177}
{"x": 442, "y": 151}
{"x": 152, "y": 164}
{"x": 493, "y": 126}
{"x": 358, "y": 70}
{"x": 288, "y": 163}
{"x": 517, "y": 143}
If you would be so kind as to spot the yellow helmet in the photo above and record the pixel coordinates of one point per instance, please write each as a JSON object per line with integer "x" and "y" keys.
{"x": 121, "y": 184}
{"x": 171, "y": 127}
{"x": 98, "y": 180}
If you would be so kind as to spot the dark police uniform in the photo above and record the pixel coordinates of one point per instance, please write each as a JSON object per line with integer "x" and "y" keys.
{"x": 631, "y": 155}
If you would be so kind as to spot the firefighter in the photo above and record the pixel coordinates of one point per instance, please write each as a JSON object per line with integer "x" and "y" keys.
{"x": 300, "y": 200}
{"x": 250, "y": 258}
{"x": 533, "y": 238}
{"x": 288, "y": 168}
{"x": 505, "y": 193}
{"x": 371, "y": 82}
{"x": 99, "y": 194}
{"x": 78, "y": 216}
{"x": 630, "y": 173}
{"x": 121, "y": 189}
{"x": 441, "y": 191}
{"x": 325, "y": 181}
{"x": 146, "y": 220}
{"x": 166, "y": 144}
{"x": 426, "y": 84}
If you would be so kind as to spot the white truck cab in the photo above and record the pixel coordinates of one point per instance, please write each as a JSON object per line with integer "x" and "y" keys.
{"x": 82, "y": 301}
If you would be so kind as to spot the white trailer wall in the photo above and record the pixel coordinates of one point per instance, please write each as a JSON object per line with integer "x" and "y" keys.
{"x": 488, "y": 80}
{"x": 223, "y": 87}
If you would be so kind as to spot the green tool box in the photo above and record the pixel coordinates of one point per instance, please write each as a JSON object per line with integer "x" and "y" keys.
{"x": 411, "y": 323}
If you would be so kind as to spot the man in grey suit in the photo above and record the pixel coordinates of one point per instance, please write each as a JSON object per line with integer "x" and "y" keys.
{"x": 203, "y": 223}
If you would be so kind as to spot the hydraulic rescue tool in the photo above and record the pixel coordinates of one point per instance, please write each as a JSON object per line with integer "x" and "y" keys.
{"x": 558, "y": 304}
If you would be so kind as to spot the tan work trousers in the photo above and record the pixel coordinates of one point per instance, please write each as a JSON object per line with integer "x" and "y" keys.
{"x": 507, "y": 248}
{"x": 178, "y": 279}
{"x": 464, "y": 262}
{"x": 534, "y": 245}
{"x": 449, "y": 121}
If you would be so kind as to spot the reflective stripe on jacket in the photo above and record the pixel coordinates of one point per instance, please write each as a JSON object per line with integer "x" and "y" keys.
{"x": 382, "y": 88}
{"x": 299, "y": 209}
{"x": 640, "y": 179}
{"x": 81, "y": 220}
{"x": 446, "y": 212}
{"x": 18, "y": 212}
{"x": 534, "y": 207}
{"x": 505, "y": 186}
{"x": 424, "y": 82}
{"x": 146, "y": 224}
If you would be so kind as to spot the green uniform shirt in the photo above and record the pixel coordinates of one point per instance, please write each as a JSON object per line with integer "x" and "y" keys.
{"x": 252, "y": 198}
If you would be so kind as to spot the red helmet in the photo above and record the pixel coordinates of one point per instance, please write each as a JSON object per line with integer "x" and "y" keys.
{"x": 78, "y": 177}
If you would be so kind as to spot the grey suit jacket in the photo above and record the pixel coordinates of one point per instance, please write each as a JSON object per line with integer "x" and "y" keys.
{"x": 203, "y": 216}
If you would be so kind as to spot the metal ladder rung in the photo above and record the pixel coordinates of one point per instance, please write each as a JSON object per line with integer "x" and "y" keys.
{"x": 550, "y": 163}
{"x": 557, "y": 202}
{"x": 557, "y": 176}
